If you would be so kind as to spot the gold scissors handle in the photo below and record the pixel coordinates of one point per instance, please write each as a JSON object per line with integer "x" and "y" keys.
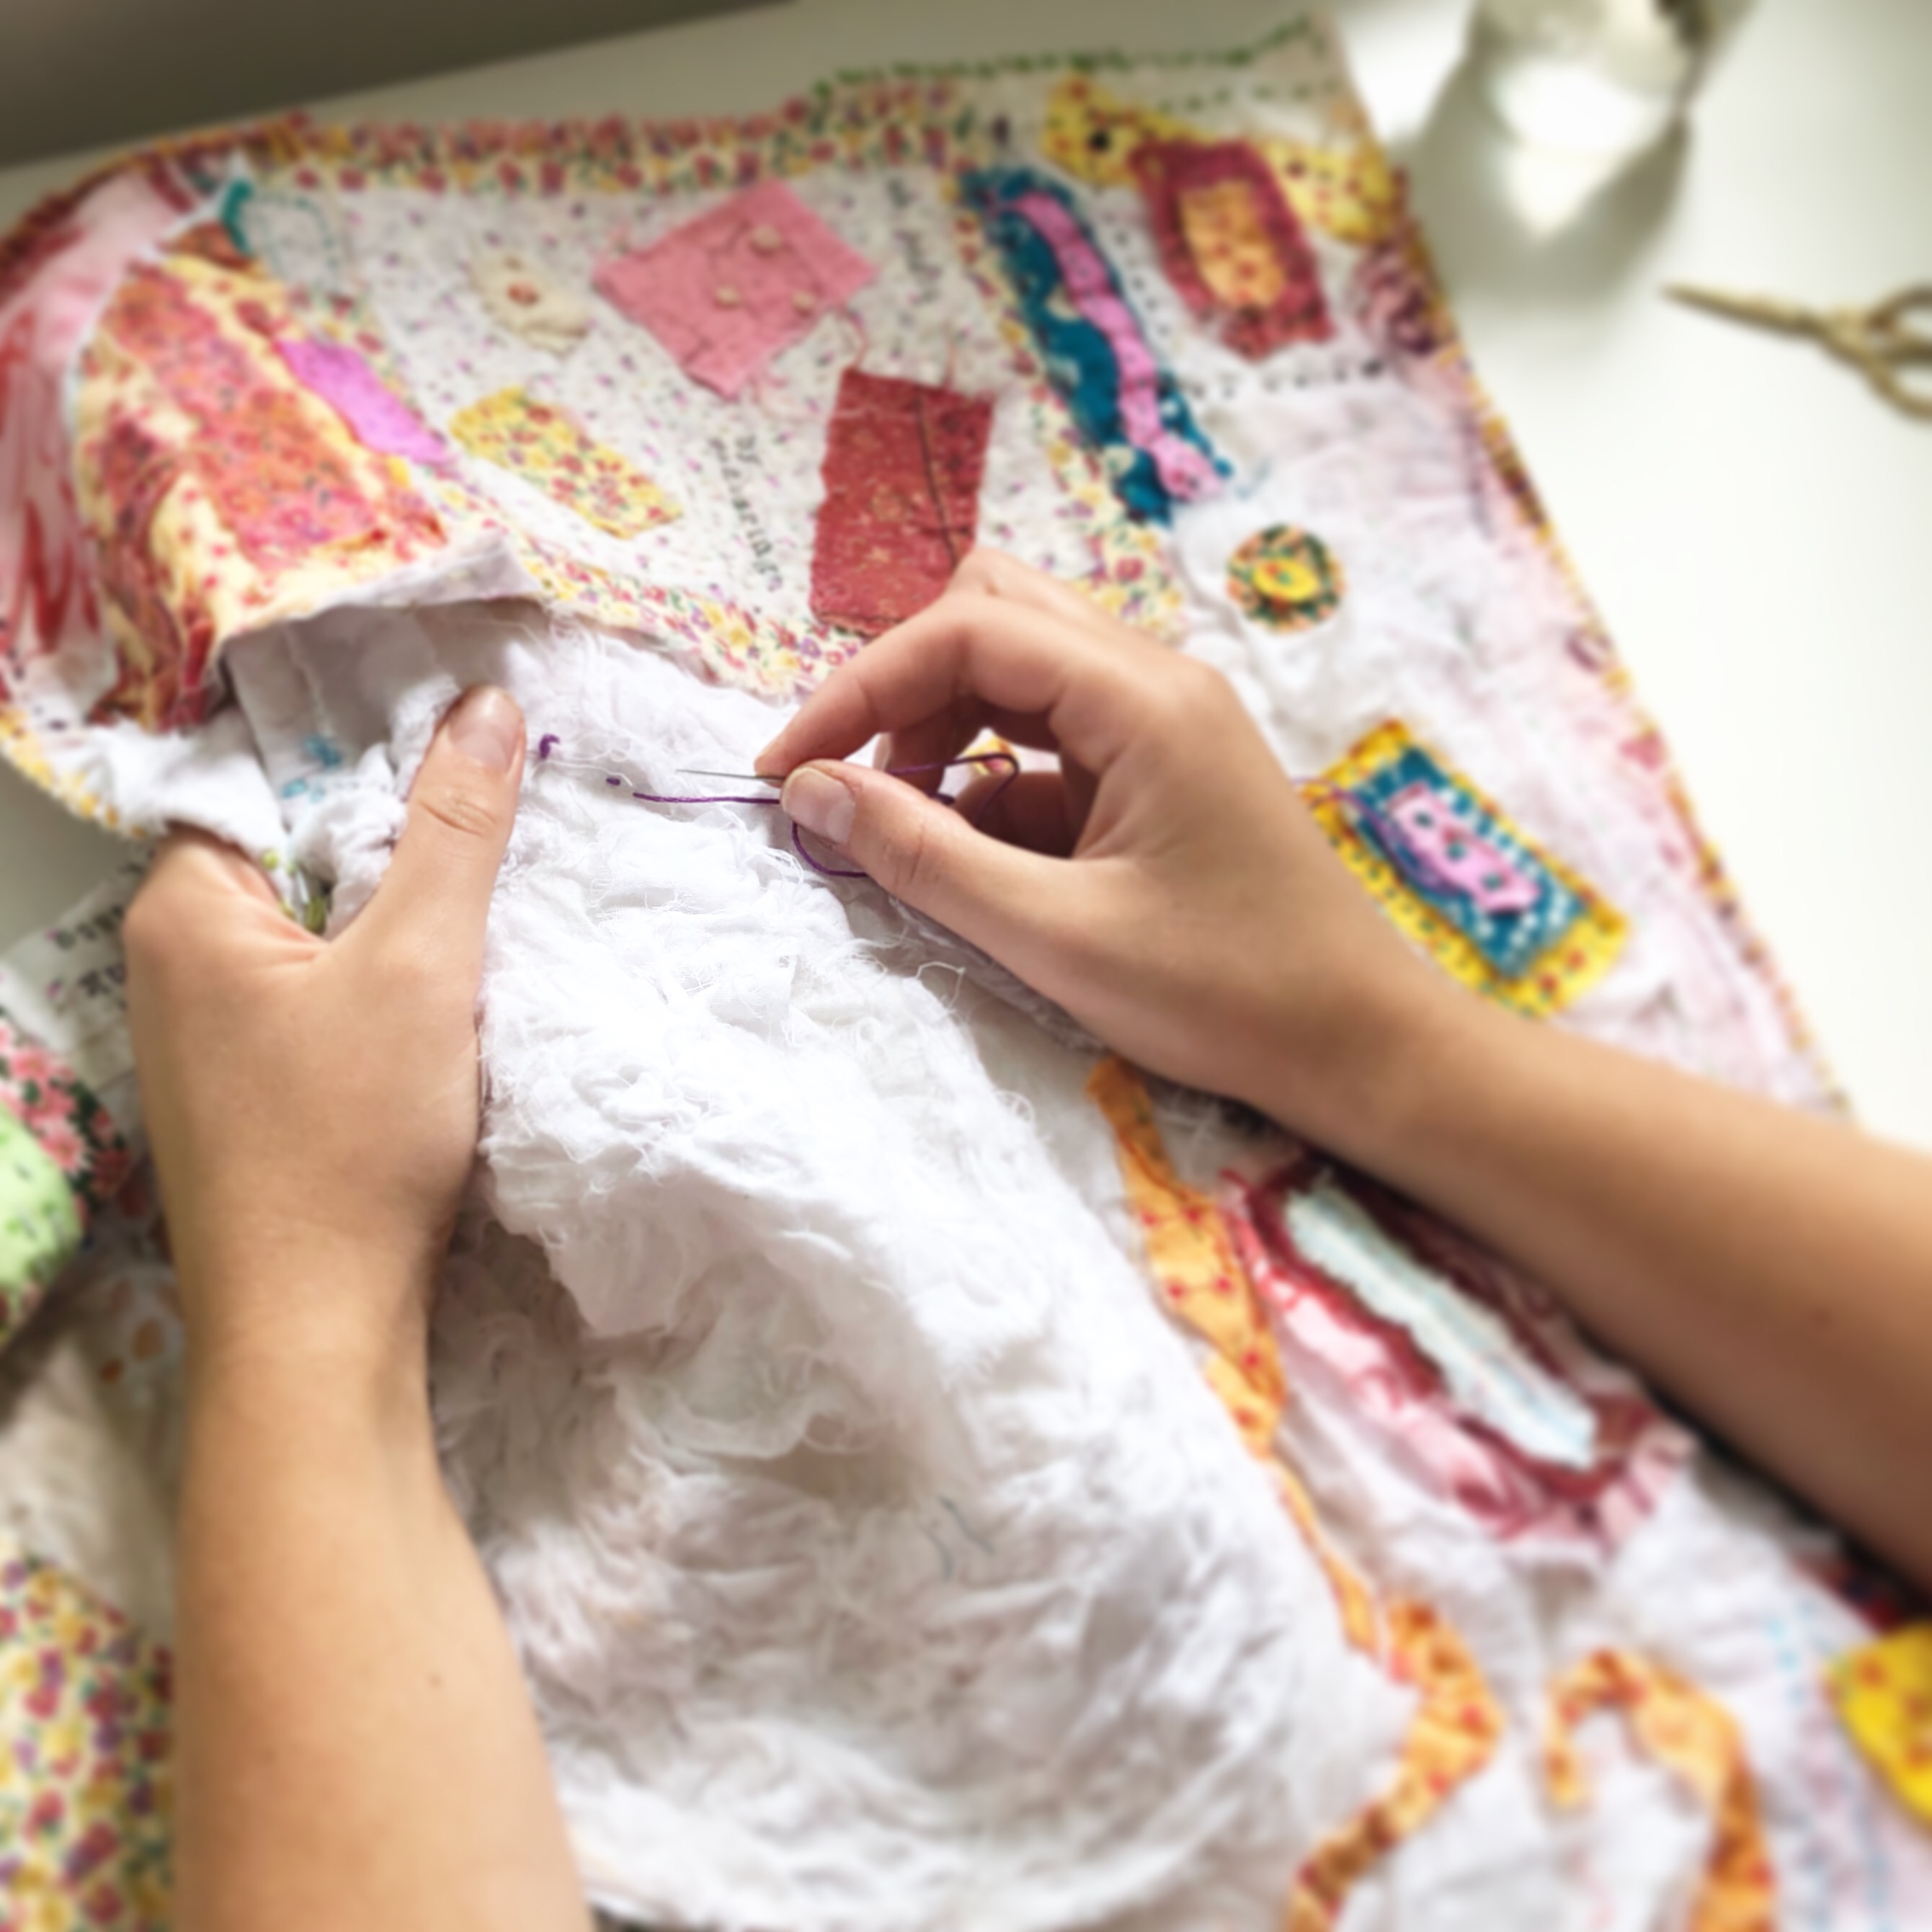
{"x": 1881, "y": 342}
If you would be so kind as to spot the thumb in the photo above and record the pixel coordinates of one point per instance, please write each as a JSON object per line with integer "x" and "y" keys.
{"x": 437, "y": 890}
{"x": 919, "y": 851}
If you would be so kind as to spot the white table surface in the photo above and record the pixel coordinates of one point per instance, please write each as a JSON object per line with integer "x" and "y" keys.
{"x": 1756, "y": 528}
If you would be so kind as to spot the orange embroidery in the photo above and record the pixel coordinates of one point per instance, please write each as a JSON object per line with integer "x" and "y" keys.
{"x": 1203, "y": 1285}
{"x": 1695, "y": 1738}
{"x": 1455, "y": 1730}
{"x": 1192, "y": 1260}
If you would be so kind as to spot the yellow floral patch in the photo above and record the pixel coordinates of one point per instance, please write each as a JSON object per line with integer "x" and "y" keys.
{"x": 547, "y": 447}
{"x": 84, "y": 1778}
{"x": 1883, "y": 1691}
{"x": 1349, "y": 191}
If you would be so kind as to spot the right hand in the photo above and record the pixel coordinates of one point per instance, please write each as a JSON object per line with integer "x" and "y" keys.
{"x": 1166, "y": 886}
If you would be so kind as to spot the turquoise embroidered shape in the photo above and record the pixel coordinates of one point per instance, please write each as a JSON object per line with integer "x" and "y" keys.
{"x": 1095, "y": 353}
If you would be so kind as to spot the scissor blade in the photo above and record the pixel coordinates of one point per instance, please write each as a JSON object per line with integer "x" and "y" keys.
{"x": 1761, "y": 311}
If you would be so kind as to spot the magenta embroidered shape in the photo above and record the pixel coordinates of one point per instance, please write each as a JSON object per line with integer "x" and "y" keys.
{"x": 377, "y": 417}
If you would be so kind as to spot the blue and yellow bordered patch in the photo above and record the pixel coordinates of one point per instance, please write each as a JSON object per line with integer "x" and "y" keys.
{"x": 1285, "y": 578}
{"x": 1500, "y": 914}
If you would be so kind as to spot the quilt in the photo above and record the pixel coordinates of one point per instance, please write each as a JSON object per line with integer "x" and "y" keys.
{"x": 935, "y": 1475}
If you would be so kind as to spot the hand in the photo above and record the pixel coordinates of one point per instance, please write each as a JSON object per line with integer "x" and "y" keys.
{"x": 313, "y": 1105}
{"x": 1166, "y": 886}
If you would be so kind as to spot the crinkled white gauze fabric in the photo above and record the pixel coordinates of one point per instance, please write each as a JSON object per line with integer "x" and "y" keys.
{"x": 889, "y": 1563}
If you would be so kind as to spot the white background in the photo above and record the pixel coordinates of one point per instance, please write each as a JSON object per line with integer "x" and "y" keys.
{"x": 1756, "y": 526}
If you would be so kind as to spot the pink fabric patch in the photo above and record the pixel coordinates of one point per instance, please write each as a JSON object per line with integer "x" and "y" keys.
{"x": 724, "y": 293}
{"x": 377, "y": 417}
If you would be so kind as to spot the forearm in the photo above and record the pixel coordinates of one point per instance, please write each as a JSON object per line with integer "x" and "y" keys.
{"x": 1771, "y": 1271}
{"x": 356, "y": 1749}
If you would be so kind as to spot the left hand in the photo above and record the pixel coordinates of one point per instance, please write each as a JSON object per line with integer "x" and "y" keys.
{"x": 313, "y": 1105}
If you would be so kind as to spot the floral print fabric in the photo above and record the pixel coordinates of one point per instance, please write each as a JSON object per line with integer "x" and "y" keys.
{"x": 84, "y": 1770}
{"x": 547, "y": 448}
{"x": 57, "y": 1108}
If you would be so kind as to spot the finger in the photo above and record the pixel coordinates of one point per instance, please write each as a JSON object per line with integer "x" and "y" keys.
{"x": 933, "y": 742}
{"x": 924, "y": 852}
{"x": 197, "y": 894}
{"x": 195, "y": 863}
{"x": 1033, "y": 810}
{"x": 436, "y": 892}
{"x": 992, "y": 573}
{"x": 1020, "y": 661}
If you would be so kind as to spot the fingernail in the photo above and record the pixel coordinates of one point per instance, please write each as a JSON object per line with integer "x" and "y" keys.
{"x": 821, "y": 803}
{"x": 487, "y": 726}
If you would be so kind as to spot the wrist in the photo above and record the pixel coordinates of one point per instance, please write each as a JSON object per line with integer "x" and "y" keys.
{"x": 339, "y": 1323}
{"x": 1374, "y": 1079}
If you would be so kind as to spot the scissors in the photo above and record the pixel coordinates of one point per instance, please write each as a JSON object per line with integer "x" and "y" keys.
{"x": 1883, "y": 342}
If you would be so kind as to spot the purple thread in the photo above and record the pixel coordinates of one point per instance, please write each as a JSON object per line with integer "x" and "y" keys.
{"x": 1006, "y": 758}
{"x": 546, "y": 743}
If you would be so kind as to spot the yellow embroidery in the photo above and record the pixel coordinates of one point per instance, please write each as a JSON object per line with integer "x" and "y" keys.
{"x": 1696, "y": 1740}
{"x": 1201, "y": 1281}
{"x": 1573, "y": 962}
{"x": 1883, "y": 1691}
{"x": 545, "y": 446}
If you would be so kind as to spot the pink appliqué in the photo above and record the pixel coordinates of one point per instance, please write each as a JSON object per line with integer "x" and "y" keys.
{"x": 1244, "y": 259}
{"x": 1401, "y": 1392}
{"x": 1452, "y": 856}
{"x": 1186, "y": 474}
{"x": 376, "y": 416}
{"x": 903, "y": 463}
{"x": 725, "y": 293}
{"x": 284, "y": 492}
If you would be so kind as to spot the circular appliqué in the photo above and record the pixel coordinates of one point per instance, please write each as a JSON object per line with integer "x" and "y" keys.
{"x": 1285, "y": 578}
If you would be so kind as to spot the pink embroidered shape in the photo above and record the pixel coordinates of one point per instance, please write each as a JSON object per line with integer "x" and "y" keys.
{"x": 1185, "y": 472}
{"x": 377, "y": 417}
{"x": 725, "y": 293}
{"x": 1454, "y": 855}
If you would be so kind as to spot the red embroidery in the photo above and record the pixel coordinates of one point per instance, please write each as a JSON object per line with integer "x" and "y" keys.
{"x": 1230, "y": 244}
{"x": 903, "y": 462}
{"x": 1401, "y": 1391}
{"x": 47, "y": 589}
